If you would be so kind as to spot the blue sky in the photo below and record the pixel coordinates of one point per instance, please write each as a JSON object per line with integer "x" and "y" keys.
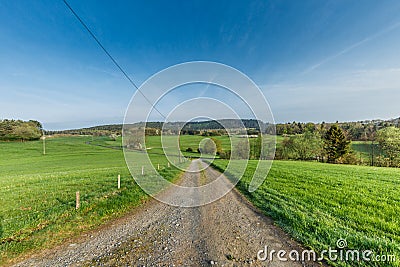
{"x": 313, "y": 60}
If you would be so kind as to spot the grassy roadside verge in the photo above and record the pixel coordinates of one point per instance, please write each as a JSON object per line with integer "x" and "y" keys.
{"x": 317, "y": 204}
{"x": 37, "y": 193}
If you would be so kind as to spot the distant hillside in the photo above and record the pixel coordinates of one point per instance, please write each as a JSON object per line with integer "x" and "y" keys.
{"x": 196, "y": 126}
{"x": 360, "y": 130}
{"x": 95, "y": 130}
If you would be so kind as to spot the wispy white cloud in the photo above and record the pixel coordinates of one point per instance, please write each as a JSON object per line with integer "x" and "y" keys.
{"x": 351, "y": 47}
{"x": 361, "y": 94}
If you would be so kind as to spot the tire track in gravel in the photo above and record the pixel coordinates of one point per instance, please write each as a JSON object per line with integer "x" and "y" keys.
{"x": 227, "y": 232}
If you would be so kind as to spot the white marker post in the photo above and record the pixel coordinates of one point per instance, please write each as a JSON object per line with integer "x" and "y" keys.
{"x": 78, "y": 204}
{"x": 44, "y": 144}
{"x": 119, "y": 181}
{"x": 142, "y": 170}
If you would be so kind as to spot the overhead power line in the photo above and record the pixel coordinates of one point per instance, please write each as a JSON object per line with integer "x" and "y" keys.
{"x": 110, "y": 56}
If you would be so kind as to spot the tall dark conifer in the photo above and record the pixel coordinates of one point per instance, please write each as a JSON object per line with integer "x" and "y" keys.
{"x": 336, "y": 144}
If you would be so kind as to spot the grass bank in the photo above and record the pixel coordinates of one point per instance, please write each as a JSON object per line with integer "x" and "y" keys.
{"x": 37, "y": 192}
{"x": 317, "y": 204}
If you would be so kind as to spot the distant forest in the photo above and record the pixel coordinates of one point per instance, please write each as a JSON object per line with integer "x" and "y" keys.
{"x": 356, "y": 131}
{"x": 154, "y": 128}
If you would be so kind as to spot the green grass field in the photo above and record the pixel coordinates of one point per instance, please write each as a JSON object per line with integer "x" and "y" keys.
{"x": 319, "y": 203}
{"x": 37, "y": 193}
{"x": 316, "y": 203}
{"x": 361, "y": 149}
{"x": 186, "y": 141}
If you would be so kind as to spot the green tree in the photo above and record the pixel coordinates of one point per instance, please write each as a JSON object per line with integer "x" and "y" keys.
{"x": 256, "y": 147}
{"x": 335, "y": 143}
{"x": 389, "y": 141}
{"x": 37, "y": 124}
{"x": 218, "y": 145}
{"x": 12, "y": 130}
{"x": 241, "y": 150}
{"x": 284, "y": 151}
{"x": 302, "y": 146}
{"x": 212, "y": 146}
{"x": 225, "y": 154}
{"x": 26, "y": 132}
{"x": 307, "y": 146}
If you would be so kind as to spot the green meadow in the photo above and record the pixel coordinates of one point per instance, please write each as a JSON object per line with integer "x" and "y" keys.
{"x": 37, "y": 192}
{"x": 318, "y": 203}
{"x": 315, "y": 203}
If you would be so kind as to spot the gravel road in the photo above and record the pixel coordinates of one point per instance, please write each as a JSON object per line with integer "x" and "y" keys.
{"x": 227, "y": 232}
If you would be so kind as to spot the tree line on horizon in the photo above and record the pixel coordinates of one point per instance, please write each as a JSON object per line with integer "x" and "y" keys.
{"x": 356, "y": 131}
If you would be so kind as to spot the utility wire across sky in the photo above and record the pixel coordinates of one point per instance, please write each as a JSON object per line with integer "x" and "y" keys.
{"x": 110, "y": 56}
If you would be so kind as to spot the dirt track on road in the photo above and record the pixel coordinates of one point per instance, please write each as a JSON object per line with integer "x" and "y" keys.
{"x": 227, "y": 232}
